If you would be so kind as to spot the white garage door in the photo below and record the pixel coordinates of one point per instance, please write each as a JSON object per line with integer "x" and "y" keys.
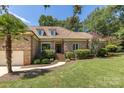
{"x": 17, "y": 58}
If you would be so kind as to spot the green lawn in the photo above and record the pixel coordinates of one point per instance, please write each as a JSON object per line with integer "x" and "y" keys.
{"x": 97, "y": 72}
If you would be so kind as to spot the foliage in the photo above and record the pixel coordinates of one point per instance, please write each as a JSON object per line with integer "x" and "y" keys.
{"x": 10, "y": 26}
{"x": 103, "y": 20}
{"x": 71, "y": 23}
{"x": 120, "y": 49}
{"x": 3, "y": 9}
{"x": 9, "y": 23}
{"x": 77, "y": 9}
{"x": 84, "y": 73}
{"x": 120, "y": 36}
{"x": 69, "y": 55}
{"x": 36, "y": 61}
{"x": 111, "y": 48}
{"x": 50, "y": 53}
{"x": 45, "y": 61}
{"x": 47, "y": 21}
{"x": 46, "y": 6}
{"x": 96, "y": 45}
{"x": 82, "y": 53}
{"x": 102, "y": 52}
{"x": 67, "y": 60}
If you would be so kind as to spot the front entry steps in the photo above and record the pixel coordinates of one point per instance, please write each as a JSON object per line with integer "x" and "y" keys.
{"x": 60, "y": 56}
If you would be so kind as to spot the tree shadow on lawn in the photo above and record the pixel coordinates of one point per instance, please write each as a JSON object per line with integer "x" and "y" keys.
{"x": 24, "y": 74}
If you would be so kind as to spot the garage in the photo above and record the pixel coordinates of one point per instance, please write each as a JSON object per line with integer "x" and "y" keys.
{"x": 17, "y": 58}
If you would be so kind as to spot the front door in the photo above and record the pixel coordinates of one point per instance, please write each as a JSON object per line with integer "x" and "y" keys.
{"x": 58, "y": 48}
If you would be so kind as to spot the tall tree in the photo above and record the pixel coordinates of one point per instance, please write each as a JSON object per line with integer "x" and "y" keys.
{"x": 10, "y": 26}
{"x": 76, "y": 12}
{"x": 47, "y": 21}
{"x": 102, "y": 20}
{"x": 46, "y": 6}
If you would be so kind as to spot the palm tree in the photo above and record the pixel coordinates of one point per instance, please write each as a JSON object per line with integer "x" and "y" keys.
{"x": 76, "y": 11}
{"x": 3, "y": 8}
{"x": 46, "y": 6}
{"x": 10, "y": 26}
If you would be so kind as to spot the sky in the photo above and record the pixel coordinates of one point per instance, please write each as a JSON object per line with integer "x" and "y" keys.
{"x": 31, "y": 13}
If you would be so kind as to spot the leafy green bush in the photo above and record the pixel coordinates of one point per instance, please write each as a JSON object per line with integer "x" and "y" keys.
{"x": 82, "y": 53}
{"x": 36, "y": 61}
{"x": 69, "y": 55}
{"x": 67, "y": 60}
{"x": 102, "y": 52}
{"x": 120, "y": 49}
{"x": 112, "y": 48}
{"x": 48, "y": 54}
{"x": 45, "y": 61}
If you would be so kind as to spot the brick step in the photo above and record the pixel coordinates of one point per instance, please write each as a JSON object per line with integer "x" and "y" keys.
{"x": 60, "y": 56}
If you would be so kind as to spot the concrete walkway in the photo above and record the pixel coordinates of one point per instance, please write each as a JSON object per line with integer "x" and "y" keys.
{"x": 45, "y": 67}
{"x": 3, "y": 69}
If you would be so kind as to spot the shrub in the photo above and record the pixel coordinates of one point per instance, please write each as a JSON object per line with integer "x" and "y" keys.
{"x": 120, "y": 49}
{"x": 111, "y": 48}
{"x": 102, "y": 52}
{"x": 36, "y": 61}
{"x": 45, "y": 61}
{"x": 48, "y": 54}
{"x": 51, "y": 59}
{"x": 82, "y": 53}
{"x": 67, "y": 60}
{"x": 69, "y": 55}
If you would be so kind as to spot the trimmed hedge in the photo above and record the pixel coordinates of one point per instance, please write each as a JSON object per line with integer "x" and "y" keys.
{"x": 120, "y": 49}
{"x": 102, "y": 52}
{"x": 48, "y": 54}
{"x": 45, "y": 61}
{"x": 69, "y": 55}
{"x": 82, "y": 53}
{"x": 37, "y": 61}
{"x": 112, "y": 48}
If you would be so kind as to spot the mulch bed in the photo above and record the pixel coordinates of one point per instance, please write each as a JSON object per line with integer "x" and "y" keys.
{"x": 23, "y": 74}
{"x": 29, "y": 74}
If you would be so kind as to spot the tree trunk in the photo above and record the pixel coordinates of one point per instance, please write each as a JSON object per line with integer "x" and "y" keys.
{"x": 9, "y": 52}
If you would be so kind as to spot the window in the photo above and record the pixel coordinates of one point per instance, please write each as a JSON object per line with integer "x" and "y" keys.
{"x": 40, "y": 32}
{"x": 46, "y": 46}
{"x": 52, "y": 32}
{"x": 75, "y": 46}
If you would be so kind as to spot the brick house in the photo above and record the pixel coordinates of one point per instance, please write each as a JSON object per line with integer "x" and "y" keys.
{"x": 45, "y": 37}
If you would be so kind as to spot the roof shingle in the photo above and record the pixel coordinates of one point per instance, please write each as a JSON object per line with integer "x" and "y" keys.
{"x": 61, "y": 33}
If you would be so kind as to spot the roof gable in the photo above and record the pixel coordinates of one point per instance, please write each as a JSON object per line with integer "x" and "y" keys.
{"x": 61, "y": 32}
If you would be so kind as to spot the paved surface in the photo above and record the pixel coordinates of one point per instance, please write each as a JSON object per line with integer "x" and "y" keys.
{"x": 3, "y": 69}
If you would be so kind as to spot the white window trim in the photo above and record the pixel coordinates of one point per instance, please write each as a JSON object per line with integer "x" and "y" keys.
{"x": 74, "y": 44}
{"x": 54, "y": 31}
{"x": 46, "y": 43}
{"x": 41, "y": 31}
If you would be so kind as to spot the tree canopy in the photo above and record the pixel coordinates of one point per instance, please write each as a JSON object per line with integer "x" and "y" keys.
{"x": 106, "y": 20}
{"x": 47, "y": 21}
{"x": 10, "y": 24}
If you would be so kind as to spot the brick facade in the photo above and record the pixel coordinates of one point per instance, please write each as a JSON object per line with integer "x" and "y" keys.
{"x": 68, "y": 45}
{"x": 21, "y": 44}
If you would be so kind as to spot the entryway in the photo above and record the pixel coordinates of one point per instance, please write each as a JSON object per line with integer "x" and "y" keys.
{"x": 59, "y": 52}
{"x": 58, "y": 48}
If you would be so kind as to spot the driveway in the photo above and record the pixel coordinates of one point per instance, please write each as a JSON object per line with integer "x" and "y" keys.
{"x": 3, "y": 69}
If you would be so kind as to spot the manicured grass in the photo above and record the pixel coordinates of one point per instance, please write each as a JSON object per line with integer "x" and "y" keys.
{"x": 97, "y": 72}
